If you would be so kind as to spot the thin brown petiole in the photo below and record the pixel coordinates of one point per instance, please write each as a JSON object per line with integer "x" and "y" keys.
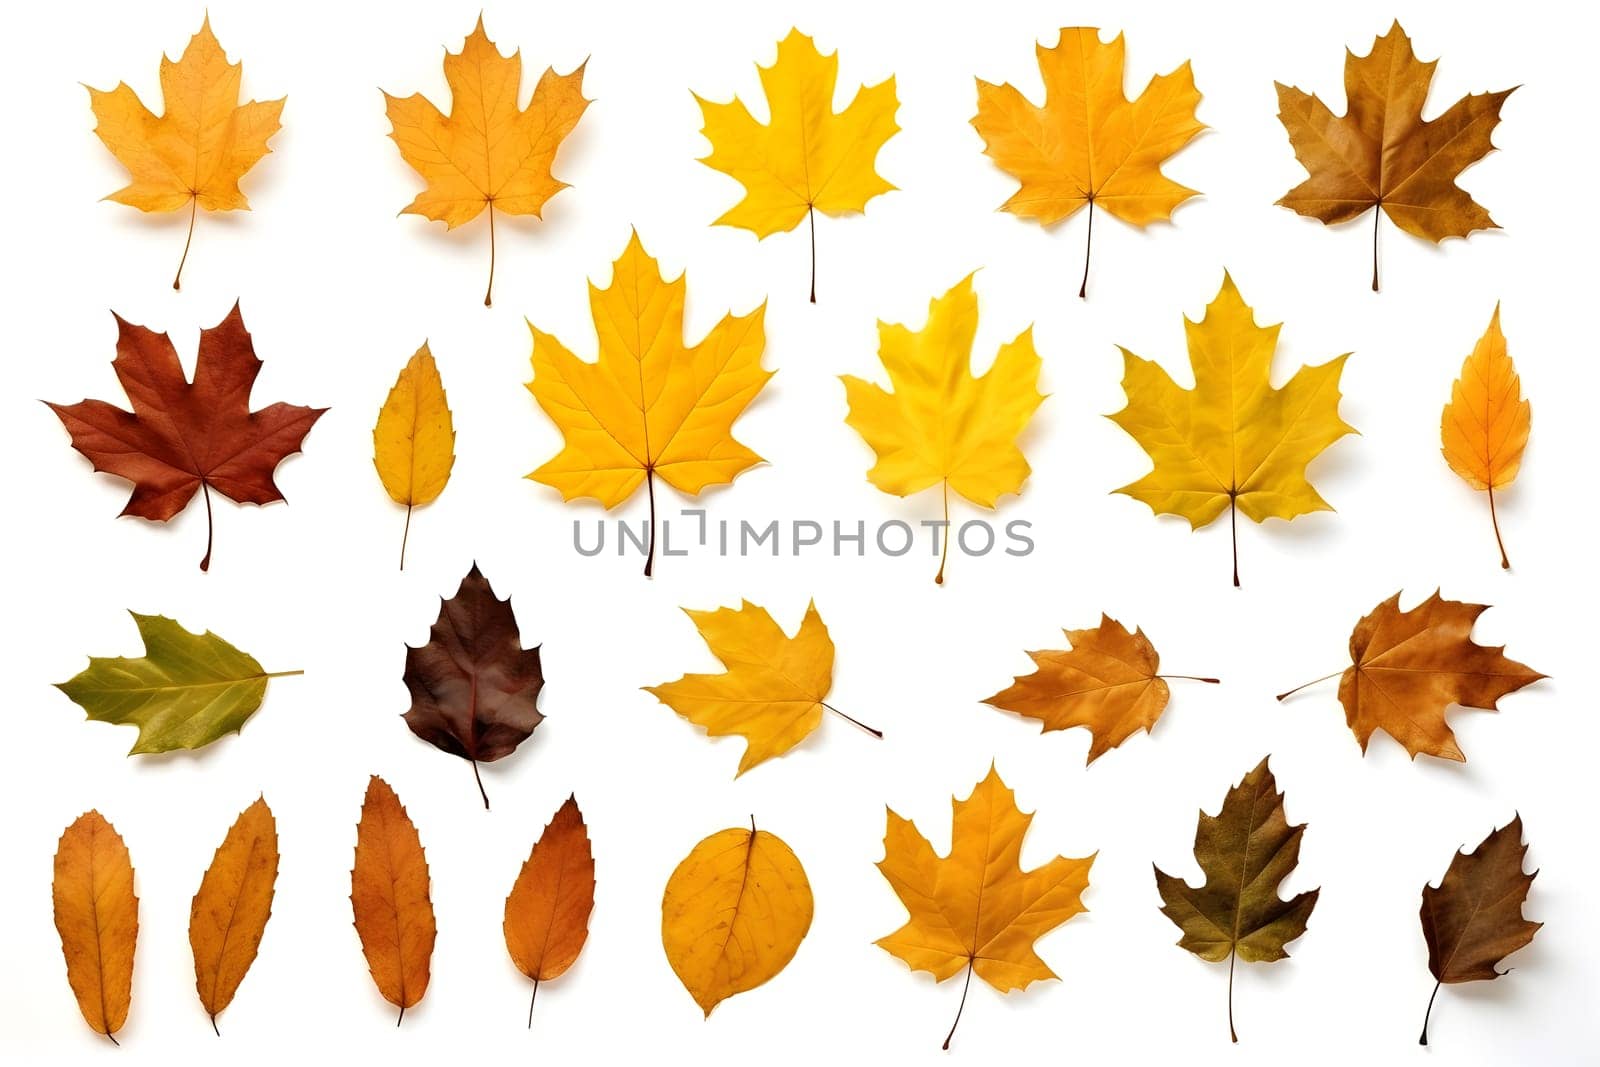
{"x": 1190, "y": 678}
{"x": 1290, "y": 692}
{"x": 205, "y": 561}
{"x": 1377, "y": 217}
{"x": 960, "y": 1008}
{"x": 479, "y": 779}
{"x": 1233, "y": 522}
{"x": 1088, "y": 246}
{"x": 194, "y": 207}
{"x": 1231, "y": 1031}
{"x": 811, "y": 215}
{"x": 1423, "y": 1040}
{"x": 489, "y": 292}
{"x": 531, "y": 1000}
{"x": 405, "y": 536}
{"x": 852, "y": 719}
{"x": 1505, "y": 563}
{"x": 944, "y": 555}
{"x": 650, "y": 487}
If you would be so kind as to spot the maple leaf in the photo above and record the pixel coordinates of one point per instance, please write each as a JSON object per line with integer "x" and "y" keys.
{"x": 734, "y": 913}
{"x": 193, "y": 154}
{"x": 1106, "y": 681}
{"x": 488, "y": 152}
{"x": 771, "y": 694}
{"x": 1233, "y": 442}
{"x": 651, "y": 404}
{"x": 474, "y": 688}
{"x": 1410, "y": 667}
{"x": 1473, "y": 919}
{"x": 1382, "y": 154}
{"x": 1484, "y": 427}
{"x": 389, "y": 898}
{"x": 1245, "y": 850}
{"x": 230, "y": 911}
{"x": 977, "y": 908}
{"x": 97, "y": 916}
{"x": 1089, "y": 144}
{"x": 413, "y": 443}
{"x": 940, "y": 425}
{"x": 547, "y": 912}
{"x": 182, "y": 436}
{"x": 808, "y": 158}
{"x": 186, "y": 691}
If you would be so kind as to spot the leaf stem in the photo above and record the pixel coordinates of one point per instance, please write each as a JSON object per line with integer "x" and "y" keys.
{"x": 205, "y": 561}
{"x": 962, "y": 1007}
{"x": 479, "y": 779}
{"x": 650, "y": 487}
{"x": 401, "y": 1017}
{"x": 1423, "y": 1040}
{"x": 1233, "y": 522}
{"x": 1505, "y": 563}
{"x": 406, "y": 536}
{"x": 194, "y": 207}
{"x": 1088, "y": 246}
{"x": 489, "y": 292}
{"x": 214, "y": 1029}
{"x": 944, "y": 555}
{"x": 112, "y": 1038}
{"x": 530, "y": 1002}
{"x": 1190, "y": 678}
{"x": 852, "y": 719}
{"x": 282, "y": 674}
{"x": 1231, "y": 1031}
{"x": 1290, "y": 692}
{"x": 1377, "y": 217}
{"x": 811, "y": 215}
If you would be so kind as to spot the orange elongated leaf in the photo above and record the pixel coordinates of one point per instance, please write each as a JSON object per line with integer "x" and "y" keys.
{"x": 1484, "y": 427}
{"x": 97, "y": 916}
{"x": 547, "y": 912}
{"x": 389, "y": 897}
{"x": 230, "y": 911}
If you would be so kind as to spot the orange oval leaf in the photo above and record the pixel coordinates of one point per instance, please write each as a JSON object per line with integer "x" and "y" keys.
{"x": 547, "y": 913}
{"x": 389, "y": 894}
{"x": 230, "y": 911}
{"x": 97, "y": 916}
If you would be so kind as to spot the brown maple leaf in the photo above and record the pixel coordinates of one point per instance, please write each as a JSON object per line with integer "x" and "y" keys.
{"x": 182, "y": 435}
{"x": 474, "y": 688}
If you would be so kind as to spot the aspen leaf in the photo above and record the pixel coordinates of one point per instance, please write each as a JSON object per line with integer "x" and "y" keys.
{"x": 734, "y": 913}
{"x": 1410, "y": 667}
{"x": 97, "y": 916}
{"x": 977, "y": 908}
{"x": 1232, "y": 443}
{"x": 1245, "y": 850}
{"x": 941, "y": 425}
{"x": 772, "y": 691}
{"x": 413, "y": 443}
{"x": 488, "y": 152}
{"x": 390, "y": 900}
{"x": 1088, "y": 144}
{"x": 193, "y": 155}
{"x": 808, "y": 157}
{"x": 1382, "y": 154}
{"x": 1484, "y": 427}
{"x": 231, "y": 909}
{"x": 547, "y": 912}
{"x": 650, "y": 406}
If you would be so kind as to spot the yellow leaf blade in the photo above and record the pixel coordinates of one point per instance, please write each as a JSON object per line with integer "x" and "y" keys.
{"x": 413, "y": 443}
{"x": 1484, "y": 428}
{"x": 97, "y": 916}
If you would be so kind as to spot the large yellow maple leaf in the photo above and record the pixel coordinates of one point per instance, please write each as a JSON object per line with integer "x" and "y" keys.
{"x": 488, "y": 152}
{"x": 1089, "y": 144}
{"x": 940, "y": 424}
{"x": 807, "y": 158}
{"x": 651, "y": 405}
{"x": 193, "y": 154}
{"x": 1232, "y": 443}
{"x": 977, "y": 908}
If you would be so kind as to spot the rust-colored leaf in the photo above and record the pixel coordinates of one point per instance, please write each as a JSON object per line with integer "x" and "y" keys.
{"x": 230, "y": 911}
{"x": 389, "y": 895}
{"x": 547, "y": 912}
{"x": 97, "y": 916}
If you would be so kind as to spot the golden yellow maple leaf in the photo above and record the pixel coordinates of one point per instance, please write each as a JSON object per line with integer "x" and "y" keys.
{"x": 195, "y": 152}
{"x": 807, "y": 158}
{"x": 650, "y": 405}
{"x": 1232, "y": 443}
{"x": 772, "y": 691}
{"x": 1484, "y": 427}
{"x": 413, "y": 443}
{"x": 977, "y": 908}
{"x": 940, "y": 424}
{"x": 488, "y": 152}
{"x": 1089, "y": 144}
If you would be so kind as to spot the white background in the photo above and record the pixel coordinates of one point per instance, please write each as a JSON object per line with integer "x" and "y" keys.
{"x": 338, "y": 292}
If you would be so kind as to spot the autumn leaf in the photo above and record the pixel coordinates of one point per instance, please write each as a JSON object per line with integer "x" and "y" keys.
{"x": 1232, "y": 443}
{"x": 1410, "y": 667}
{"x": 977, "y": 908}
{"x": 186, "y": 691}
{"x": 940, "y": 425}
{"x": 193, "y": 155}
{"x": 390, "y": 900}
{"x": 1106, "y": 681}
{"x": 547, "y": 912}
{"x": 230, "y": 911}
{"x": 97, "y": 916}
{"x": 413, "y": 443}
{"x": 771, "y": 694}
{"x": 1245, "y": 850}
{"x": 807, "y": 158}
{"x": 488, "y": 152}
{"x": 651, "y": 405}
{"x": 1089, "y": 144}
{"x": 1485, "y": 425}
{"x": 1473, "y": 919}
{"x": 734, "y": 913}
{"x": 1382, "y": 154}
{"x": 182, "y": 436}
{"x": 474, "y": 688}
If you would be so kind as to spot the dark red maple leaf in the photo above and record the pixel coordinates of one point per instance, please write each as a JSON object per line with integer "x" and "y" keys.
{"x": 183, "y": 436}
{"x": 473, "y": 686}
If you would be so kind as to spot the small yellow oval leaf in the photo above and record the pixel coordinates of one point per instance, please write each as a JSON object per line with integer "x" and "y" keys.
{"x": 413, "y": 444}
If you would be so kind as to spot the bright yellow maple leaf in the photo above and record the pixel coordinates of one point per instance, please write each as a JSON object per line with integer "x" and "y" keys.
{"x": 1232, "y": 443}
{"x": 1088, "y": 144}
{"x": 772, "y": 692}
{"x": 808, "y": 158}
{"x": 193, "y": 154}
{"x": 413, "y": 443}
{"x": 941, "y": 425}
{"x": 488, "y": 152}
{"x": 651, "y": 405}
{"x": 977, "y": 908}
